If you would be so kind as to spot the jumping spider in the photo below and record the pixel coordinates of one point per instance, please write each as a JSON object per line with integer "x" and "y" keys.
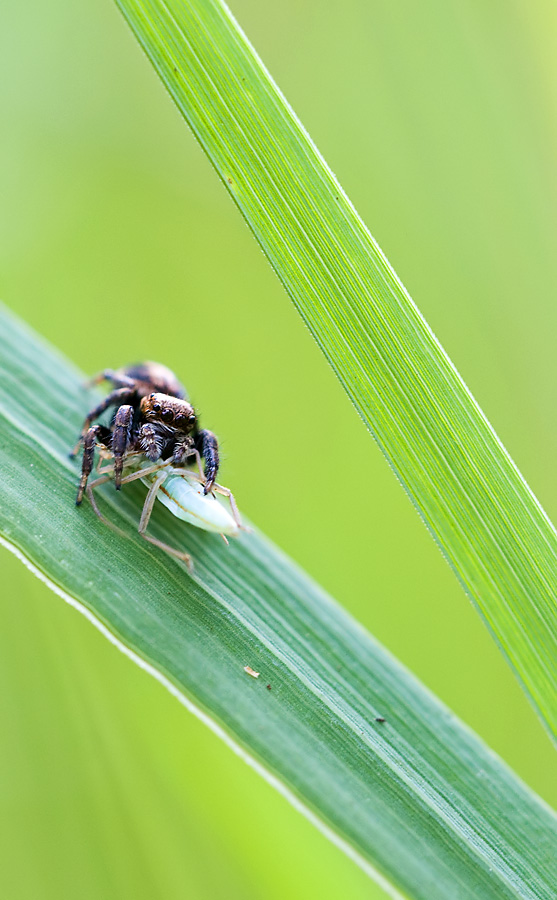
{"x": 155, "y": 429}
{"x": 152, "y": 417}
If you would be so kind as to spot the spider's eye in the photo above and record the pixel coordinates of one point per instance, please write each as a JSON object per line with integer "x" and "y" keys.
{"x": 191, "y": 419}
{"x": 181, "y": 421}
{"x": 156, "y": 407}
{"x": 167, "y": 415}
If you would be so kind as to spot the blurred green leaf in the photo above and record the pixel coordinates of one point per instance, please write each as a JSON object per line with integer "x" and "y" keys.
{"x": 489, "y": 525}
{"x": 417, "y": 800}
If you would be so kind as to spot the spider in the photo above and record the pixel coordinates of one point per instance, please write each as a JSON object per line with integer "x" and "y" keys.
{"x": 154, "y": 430}
{"x": 152, "y": 417}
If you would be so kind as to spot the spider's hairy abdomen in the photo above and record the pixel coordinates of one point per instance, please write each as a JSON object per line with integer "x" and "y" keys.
{"x": 154, "y": 377}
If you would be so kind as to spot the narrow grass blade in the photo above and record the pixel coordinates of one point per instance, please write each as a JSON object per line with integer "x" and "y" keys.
{"x": 417, "y": 800}
{"x": 470, "y": 494}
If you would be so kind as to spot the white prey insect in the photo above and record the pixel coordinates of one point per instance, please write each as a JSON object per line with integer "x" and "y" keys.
{"x": 182, "y": 492}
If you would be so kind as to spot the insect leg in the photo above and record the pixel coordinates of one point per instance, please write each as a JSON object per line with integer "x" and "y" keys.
{"x": 120, "y": 440}
{"x": 90, "y": 487}
{"x": 226, "y": 492}
{"x": 115, "y": 397}
{"x": 144, "y": 521}
{"x": 106, "y": 475}
{"x": 208, "y": 446}
{"x": 198, "y": 461}
{"x": 133, "y": 476}
{"x": 143, "y": 472}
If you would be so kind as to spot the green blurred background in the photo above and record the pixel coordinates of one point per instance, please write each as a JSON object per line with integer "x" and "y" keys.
{"x": 118, "y": 243}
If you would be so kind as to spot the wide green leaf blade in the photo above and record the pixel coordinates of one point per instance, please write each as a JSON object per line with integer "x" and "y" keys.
{"x": 470, "y": 494}
{"x": 417, "y": 799}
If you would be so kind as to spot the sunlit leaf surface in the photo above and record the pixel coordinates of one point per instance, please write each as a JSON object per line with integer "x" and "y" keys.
{"x": 489, "y": 525}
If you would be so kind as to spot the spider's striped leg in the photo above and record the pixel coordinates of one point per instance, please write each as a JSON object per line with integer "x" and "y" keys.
{"x": 89, "y": 445}
{"x": 121, "y": 434}
{"x": 208, "y": 446}
{"x": 113, "y": 399}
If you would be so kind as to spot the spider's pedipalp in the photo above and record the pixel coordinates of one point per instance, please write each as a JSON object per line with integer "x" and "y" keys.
{"x": 183, "y": 451}
{"x": 150, "y": 442}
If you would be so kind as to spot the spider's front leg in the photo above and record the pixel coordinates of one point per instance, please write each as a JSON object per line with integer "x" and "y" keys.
{"x": 208, "y": 448}
{"x": 121, "y": 434}
{"x": 113, "y": 399}
{"x": 89, "y": 444}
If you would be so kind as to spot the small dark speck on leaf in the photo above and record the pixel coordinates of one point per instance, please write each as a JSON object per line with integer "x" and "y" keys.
{"x": 230, "y": 181}
{"x": 268, "y": 687}
{"x": 380, "y": 719}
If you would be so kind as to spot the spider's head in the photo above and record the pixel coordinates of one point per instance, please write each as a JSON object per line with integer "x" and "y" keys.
{"x": 170, "y": 411}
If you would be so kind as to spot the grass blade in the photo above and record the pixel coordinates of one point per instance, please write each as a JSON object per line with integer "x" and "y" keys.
{"x": 475, "y": 502}
{"x": 417, "y": 800}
